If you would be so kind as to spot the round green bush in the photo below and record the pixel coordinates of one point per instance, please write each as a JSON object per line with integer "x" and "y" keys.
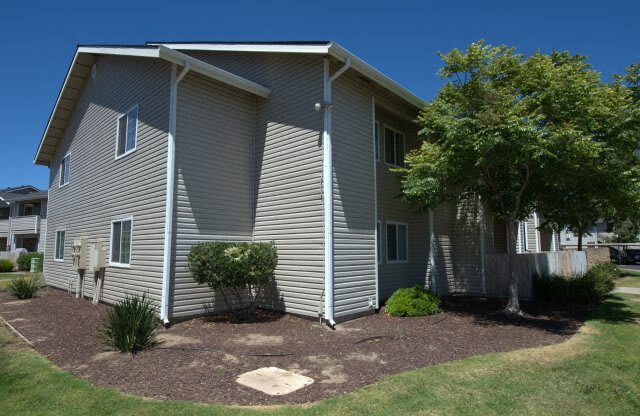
{"x": 6, "y": 266}
{"x": 24, "y": 261}
{"x": 412, "y": 301}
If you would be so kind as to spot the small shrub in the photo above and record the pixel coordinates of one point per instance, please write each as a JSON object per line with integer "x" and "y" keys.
{"x": 24, "y": 287}
{"x": 412, "y": 301}
{"x": 24, "y": 261}
{"x": 6, "y": 266}
{"x": 237, "y": 271}
{"x": 131, "y": 324}
{"x": 592, "y": 287}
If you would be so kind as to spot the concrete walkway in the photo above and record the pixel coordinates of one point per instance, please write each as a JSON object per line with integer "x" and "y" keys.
{"x": 623, "y": 289}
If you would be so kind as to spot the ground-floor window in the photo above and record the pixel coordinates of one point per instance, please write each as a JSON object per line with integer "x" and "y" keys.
{"x": 59, "y": 246}
{"x": 121, "y": 242}
{"x": 397, "y": 242}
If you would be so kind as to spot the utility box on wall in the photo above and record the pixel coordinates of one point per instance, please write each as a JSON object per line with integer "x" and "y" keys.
{"x": 79, "y": 253}
{"x": 97, "y": 257}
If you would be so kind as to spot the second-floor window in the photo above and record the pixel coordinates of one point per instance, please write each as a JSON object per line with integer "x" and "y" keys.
{"x": 127, "y": 135}
{"x": 393, "y": 147}
{"x": 65, "y": 169}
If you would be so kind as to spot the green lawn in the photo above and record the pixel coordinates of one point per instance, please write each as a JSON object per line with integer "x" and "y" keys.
{"x": 628, "y": 278}
{"x": 595, "y": 372}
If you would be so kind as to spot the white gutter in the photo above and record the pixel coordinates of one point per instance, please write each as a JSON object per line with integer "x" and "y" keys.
{"x": 171, "y": 163}
{"x": 327, "y": 190}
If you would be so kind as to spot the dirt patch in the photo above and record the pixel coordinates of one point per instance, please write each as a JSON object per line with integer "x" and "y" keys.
{"x": 199, "y": 360}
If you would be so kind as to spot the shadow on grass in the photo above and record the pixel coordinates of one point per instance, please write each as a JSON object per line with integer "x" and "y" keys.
{"x": 615, "y": 311}
{"x": 561, "y": 320}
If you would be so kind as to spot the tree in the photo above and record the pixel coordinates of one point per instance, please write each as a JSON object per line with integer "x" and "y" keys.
{"x": 625, "y": 231}
{"x": 509, "y": 130}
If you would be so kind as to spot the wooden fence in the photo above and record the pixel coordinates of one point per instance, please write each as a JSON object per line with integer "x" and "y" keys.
{"x": 9, "y": 255}
{"x": 565, "y": 263}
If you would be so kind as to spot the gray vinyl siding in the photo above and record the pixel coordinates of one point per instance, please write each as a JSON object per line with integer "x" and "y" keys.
{"x": 100, "y": 188}
{"x": 214, "y": 164}
{"x": 532, "y": 245}
{"x": 288, "y": 170}
{"x": 457, "y": 257}
{"x": 392, "y": 208}
{"x": 353, "y": 196}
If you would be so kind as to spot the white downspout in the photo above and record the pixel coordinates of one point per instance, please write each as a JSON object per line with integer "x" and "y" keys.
{"x": 171, "y": 163}
{"x": 482, "y": 249}
{"x": 536, "y": 221}
{"x": 432, "y": 260}
{"x": 327, "y": 190}
{"x": 375, "y": 198}
{"x": 519, "y": 239}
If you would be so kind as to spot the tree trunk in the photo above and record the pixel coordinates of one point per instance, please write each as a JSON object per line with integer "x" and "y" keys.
{"x": 580, "y": 238}
{"x": 513, "y": 307}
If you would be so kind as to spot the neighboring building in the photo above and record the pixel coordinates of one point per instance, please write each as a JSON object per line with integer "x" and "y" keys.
{"x": 532, "y": 240}
{"x": 23, "y": 218}
{"x": 597, "y": 234}
{"x": 154, "y": 148}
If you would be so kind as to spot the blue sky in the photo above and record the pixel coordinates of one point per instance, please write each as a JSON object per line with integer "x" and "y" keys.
{"x": 400, "y": 38}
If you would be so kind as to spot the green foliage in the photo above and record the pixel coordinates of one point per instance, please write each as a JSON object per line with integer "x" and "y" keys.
{"x": 131, "y": 324}
{"x": 24, "y": 287}
{"x": 412, "y": 301}
{"x": 625, "y": 231}
{"x": 24, "y": 261}
{"x": 6, "y": 266}
{"x": 592, "y": 287}
{"x": 239, "y": 271}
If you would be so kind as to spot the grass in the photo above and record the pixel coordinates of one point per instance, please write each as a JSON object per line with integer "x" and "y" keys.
{"x": 628, "y": 278}
{"x": 594, "y": 372}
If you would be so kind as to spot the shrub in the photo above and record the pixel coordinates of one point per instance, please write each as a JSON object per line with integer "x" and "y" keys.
{"x": 412, "y": 301}
{"x": 6, "y": 266}
{"x": 237, "y": 271}
{"x": 24, "y": 287}
{"x": 131, "y": 324}
{"x": 591, "y": 287}
{"x": 24, "y": 261}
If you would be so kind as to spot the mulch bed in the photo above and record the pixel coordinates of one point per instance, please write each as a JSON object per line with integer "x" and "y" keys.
{"x": 200, "y": 359}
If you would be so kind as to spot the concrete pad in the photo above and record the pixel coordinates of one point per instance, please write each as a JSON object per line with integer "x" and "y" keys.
{"x": 630, "y": 290}
{"x": 274, "y": 381}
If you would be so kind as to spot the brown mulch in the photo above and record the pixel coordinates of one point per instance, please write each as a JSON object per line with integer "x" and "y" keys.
{"x": 200, "y": 359}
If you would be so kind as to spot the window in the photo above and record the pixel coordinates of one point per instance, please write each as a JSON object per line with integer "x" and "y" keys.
{"x": 397, "y": 242}
{"x": 393, "y": 147}
{"x": 65, "y": 170}
{"x": 120, "y": 242}
{"x": 379, "y": 242}
{"x": 127, "y": 132}
{"x": 376, "y": 135}
{"x": 59, "y": 246}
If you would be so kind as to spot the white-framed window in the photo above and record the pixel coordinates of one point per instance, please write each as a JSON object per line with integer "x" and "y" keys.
{"x": 59, "y": 246}
{"x": 120, "y": 254}
{"x": 397, "y": 242}
{"x": 376, "y": 135}
{"x": 127, "y": 134}
{"x": 379, "y": 242}
{"x": 394, "y": 147}
{"x": 65, "y": 170}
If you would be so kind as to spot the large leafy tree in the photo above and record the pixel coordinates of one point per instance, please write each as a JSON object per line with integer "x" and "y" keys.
{"x": 514, "y": 130}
